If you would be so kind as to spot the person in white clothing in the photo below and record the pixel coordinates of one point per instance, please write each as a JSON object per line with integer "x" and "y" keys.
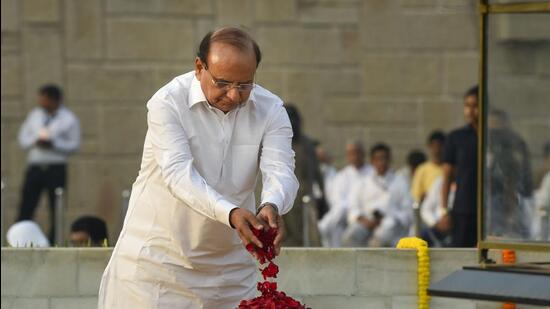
{"x": 50, "y": 135}
{"x": 210, "y": 132}
{"x": 333, "y": 223}
{"x": 380, "y": 211}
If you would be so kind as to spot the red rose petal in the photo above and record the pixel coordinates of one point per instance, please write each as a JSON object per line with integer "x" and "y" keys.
{"x": 270, "y": 298}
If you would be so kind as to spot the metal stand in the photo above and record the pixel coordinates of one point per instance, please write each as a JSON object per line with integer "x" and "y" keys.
{"x": 2, "y": 206}
{"x": 59, "y": 217}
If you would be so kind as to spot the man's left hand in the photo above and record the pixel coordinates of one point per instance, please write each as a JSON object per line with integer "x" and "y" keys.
{"x": 270, "y": 215}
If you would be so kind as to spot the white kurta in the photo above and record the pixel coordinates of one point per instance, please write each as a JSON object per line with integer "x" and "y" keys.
{"x": 177, "y": 249}
{"x": 388, "y": 195}
{"x": 333, "y": 224}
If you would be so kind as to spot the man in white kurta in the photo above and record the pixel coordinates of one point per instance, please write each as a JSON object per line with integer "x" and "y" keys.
{"x": 334, "y": 222}
{"x": 380, "y": 211}
{"x": 209, "y": 134}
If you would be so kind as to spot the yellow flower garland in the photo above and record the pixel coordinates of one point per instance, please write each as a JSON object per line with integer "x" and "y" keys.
{"x": 423, "y": 268}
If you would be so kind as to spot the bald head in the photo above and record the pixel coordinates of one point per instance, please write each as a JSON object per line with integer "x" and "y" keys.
{"x": 231, "y": 36}
{"x": 355, "y": 154}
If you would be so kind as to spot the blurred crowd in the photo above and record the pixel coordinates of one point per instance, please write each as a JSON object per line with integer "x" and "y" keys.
{"x": 368, "y": 202}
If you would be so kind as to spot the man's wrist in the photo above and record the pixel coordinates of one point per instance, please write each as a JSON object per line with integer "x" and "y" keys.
{"x": 267, "y": 204}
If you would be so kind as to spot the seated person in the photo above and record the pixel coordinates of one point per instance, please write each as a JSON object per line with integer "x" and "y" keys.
{"x": 89, "y": 231}
{"x": 380, "y": 211}
{"x": 26, "y": 233}
{"x": 436, "y": 228}
{"x": 333, "y": 224}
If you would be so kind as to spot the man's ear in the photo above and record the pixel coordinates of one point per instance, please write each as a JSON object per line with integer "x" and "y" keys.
{"x": 198, "y": 68}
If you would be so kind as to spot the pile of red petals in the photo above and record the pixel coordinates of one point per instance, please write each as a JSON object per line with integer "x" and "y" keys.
{"x": 270, "y": 298}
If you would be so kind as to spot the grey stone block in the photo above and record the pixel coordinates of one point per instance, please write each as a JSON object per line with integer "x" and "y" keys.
{"x": 108, "y": 83}
{"x": 10, "y": 16}
{"x": 150, "y": 39}
{"x": 183, "y": 7}
{"x": 25, "y": 303}
{"x": 395, "y": 74}
{"x": 91, "y": 264}
{"x": 276, "y": 11}
{"x": 383, "y": 272}
{"x": 12, "y": 83}
{"x": 40, "y": 10}
{"x": 74, "y": 302}
{"x": 83, "y": 35}
{"x": 32, "y": 272}
{"x": 317, "y": 272}
{"x": 345, "y": 302}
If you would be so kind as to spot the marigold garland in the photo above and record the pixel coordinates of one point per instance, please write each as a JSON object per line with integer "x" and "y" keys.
{"x": 423, "y": 268}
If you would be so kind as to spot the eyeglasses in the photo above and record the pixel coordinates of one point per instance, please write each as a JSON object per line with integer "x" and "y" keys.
{"x": 226, "y": 86}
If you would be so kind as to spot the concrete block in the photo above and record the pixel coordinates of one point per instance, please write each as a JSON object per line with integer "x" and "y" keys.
{"x": 446, "y": 261}
{"x": 183, "y": 7}
{"x": 371, "y": 111}
{"x": 521, "y": 27}
{"x": 25, "y": 303}
{"x": 330, "y": 15}
{"x": 276, "y": 11}
{"x": 10, "y": 16}
{"x": 41, "y": 10}
{"x": 418, "y": 4}
{"x": 11, "y": 76}
{"x": 85, "y": 179}
{"x": 89, "y": 117}
{"x": 163, "y": 75}
{"x": 74, "y": 302}
{"x": 235, "y": 13}
{"x": 11, "y": 42}
{"x": 461, "y": 72}
{"x": 271, "y": 80}
{"x": 388, "y": 74}
{"x": 12, "y": 110}
{"x": 351, "y": 302}
{"x": 321, "y": 272}
{"x": 42, "y": 60}
{"x": 280, "y": 43}
{"x": 426, "y": 31}
{"x": 83, "y": 35}
{"x": 108, "y": 83}
{"x": 441, "y": 115}
{"x": 91, "y": 264}
{"x": 31, "y": 272}
{"x": 150, "y": 39}
{"x": 125, "y": 137}
{"x": 383, "y": 272}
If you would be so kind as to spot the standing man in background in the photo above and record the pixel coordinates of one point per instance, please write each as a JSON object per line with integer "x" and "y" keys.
{"x": 460, "y": 164}
{"x": 50, "y": 133}
{"x": 426, "y": 174}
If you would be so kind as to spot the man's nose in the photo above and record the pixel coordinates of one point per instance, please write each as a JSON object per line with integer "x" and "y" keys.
{"x": 234, "y": 94}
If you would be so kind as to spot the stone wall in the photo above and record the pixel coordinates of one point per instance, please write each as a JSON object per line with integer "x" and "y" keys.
{"x": 322, "y": 278}
{"x": 371, "y": 70}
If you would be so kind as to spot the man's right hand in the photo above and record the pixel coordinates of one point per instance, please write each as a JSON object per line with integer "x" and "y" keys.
{"x": 369, "y": 224}
{"x": 241, "y": 219}
{"x": 444, "y": 224}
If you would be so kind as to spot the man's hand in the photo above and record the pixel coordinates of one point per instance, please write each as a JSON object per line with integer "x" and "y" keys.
{"x": 241, "y": 219}
{"x": 270, "y": 215}
{"x": 369, "y": 224}
{"x": 444, "y": 224}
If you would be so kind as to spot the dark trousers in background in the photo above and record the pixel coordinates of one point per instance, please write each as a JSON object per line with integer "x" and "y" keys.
{"x": 464, "y": 230}
{"x": 40, "y": 178}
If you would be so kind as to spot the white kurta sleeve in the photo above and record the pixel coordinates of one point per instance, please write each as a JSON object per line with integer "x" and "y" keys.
{"x": 66, "y": 136}
{"x": 277, "y": 162}
{"x": 355, "y": 207}
{"x": 28, "y": 135}
{"x": 173, "y": 155}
